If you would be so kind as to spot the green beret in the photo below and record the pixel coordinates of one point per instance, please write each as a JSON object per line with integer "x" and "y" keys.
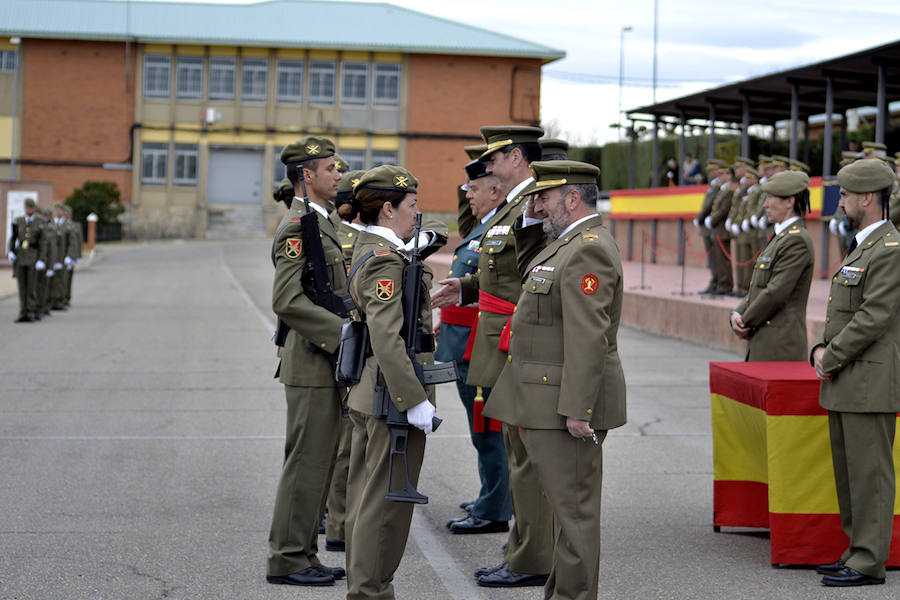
{"x": 350, "y": 179}
{"x": 30, "y": 203}
{"x": 549, "y": 174}
{"x": 553, "y": 147}
{"x": 474, "y": 152}
{"x": 507, "y": 135}
{"x": 282, "y": 187}
{"x": 742, "y": 161}
{"x": 786, "y": 183}
{"x": 340, "y": 164}
{"x": 864, "y": 176}
{"x": 306, "y": 149}
{"x": 780, "y": 160}
{"x": 797, "y": 165}
{"x": 389, "y": 178}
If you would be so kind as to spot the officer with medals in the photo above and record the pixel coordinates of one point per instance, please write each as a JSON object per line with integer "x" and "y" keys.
{"x": 58, "y": 284}
{"x": 857, "y": 357}
{"x": 492, "y": 509}
{"x": 713, "y": 166}
{"x": 772, "y": 318}
{"x": 377, "y": 529}
{"x": 496, "y": 287}
{"x": 46, "y": 276}
{"x": 306, "y": 368}
{"x": 27, "y": 252}
{"x": 563, "y": 386}
{"x": 720, "y": 237}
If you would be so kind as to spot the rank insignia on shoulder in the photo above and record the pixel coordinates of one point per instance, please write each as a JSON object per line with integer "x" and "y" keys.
{"x": 589, "y": 284}
{"x": 384, "y": 289}
{"x": 381, "y": 252}
{"x": 892, "y": 243}
{"x": 590, "y": 236}
{"x": 292, "y": 247}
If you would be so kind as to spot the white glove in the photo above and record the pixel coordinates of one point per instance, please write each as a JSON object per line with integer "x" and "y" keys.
{"x": 11, "y": 256}
{"x": 735, "y": 228}
{"x": 746, "y": 225}
{"x": 69, "y": 267}
{"x": 728, "y": 223}
{"x": 420, "y": 416}
{"x": 77, "y": 261}
{"x": 57, "y": 266}
{"x": 763, "y": 221}
{"x": 696, "y": 223}
{"x": 49, "y": 273}
{"x": 68, "y": 261}
{"x": 707, "y": 222}
{"x": 842, "y": 227}
{"x": 833, "y": 226}
{"x": 40, "y": 265}
{"x": 754, "y": 221}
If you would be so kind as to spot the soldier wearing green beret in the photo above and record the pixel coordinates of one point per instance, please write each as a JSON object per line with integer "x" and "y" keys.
{"x": 284, "y": 192}
{"x": 894, "y": 205}
{"x": 59, "y": 283}
{"x": 46, "y": 276}
{"x": 744, "y": 237}
{"x": 305, "y": 368}
{"x": 563, "y": 385}
{"x": 713, "y": 167}
{"x": 27, "y": 251}
{"x": 341, "y": 164}
{"x": 377, "y": 529}
{"x": 778, "y": 164}
{"x": 856, "y": 358}
{"x": 772, "y": 318}
{"x": 719, "y": 235}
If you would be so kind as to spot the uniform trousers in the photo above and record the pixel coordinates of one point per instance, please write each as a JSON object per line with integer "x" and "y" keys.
{"x": 862, "y": 453}
{"x": 744, "y": 255}
{"x": 26, "y": 278}
{"x": 708, "y": 245}
{"x": 70, "y": 275}
{"x": 530, "y": 545}
{"x": 58, "y": 288}
{"x": 570, "y": 472}
{"x": 313, "y": 421}
{"x": 337, "y": 491}
{"x": 724, "y": 279}
{"x": 377, "y": 529}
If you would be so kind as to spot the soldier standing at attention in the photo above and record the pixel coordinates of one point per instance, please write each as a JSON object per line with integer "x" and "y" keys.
{"x": 773, "y": 315}
{"x": 58, "y": 284}
{"x": 46, "y": 276}
{"x": 27, "y": 252}
{"x": 496, "y": 286}
{"x": 563, "y": 385}
{"x": 712, "y": 170}
{"x": 492, "y": 509}
{"x": 857, "y": 357}
{"x": 312, "y": 396}
{"x": 715, "y": 223}
{"x": 75, "y": 238}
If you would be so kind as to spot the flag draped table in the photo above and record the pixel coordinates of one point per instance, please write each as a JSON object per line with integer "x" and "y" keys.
{"x": 772, "y": 461}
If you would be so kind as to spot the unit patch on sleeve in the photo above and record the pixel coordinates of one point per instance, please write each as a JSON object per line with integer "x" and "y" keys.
{"x": 292, "y": 247}
{"x": 589, "y": 284}
{"x": 384, "y": 289}
{"x": 381, "y": 252}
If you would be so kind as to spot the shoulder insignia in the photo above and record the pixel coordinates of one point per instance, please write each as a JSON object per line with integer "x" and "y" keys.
{"x": 381, "y": 251}
{"x": 892, "y": 243}
{"x": 294, "y": 219}
{"x": 346, "y": 246}
{"x": 794, "y": 230}
{"x": 589, "y": 284}
{"x": 292, "y": 247}
{"x": 590, "y": 236}
{"x": 384, "y": 289}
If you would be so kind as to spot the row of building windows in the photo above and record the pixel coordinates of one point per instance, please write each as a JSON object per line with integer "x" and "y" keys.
{"x": 8, "y": 60}
{"x": 361, "y": 83}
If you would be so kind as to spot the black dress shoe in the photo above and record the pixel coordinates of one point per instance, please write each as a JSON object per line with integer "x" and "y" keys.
{"x": 707, "y": 291}
{"x": 831, "y": 568}
{"x": 335, "y": 572}
{"x": 506, "y": 578}
{"x": 450, "y": 522}
{"x": 335, "y": 545}
{"x": 308, "y": 576}
{"x": 467, "y": 505}
{"x": 848, "y": 577}
{"x": 473, "y": 524}
{"x": 489, "y": 570}
{"x": 23, "y": 320}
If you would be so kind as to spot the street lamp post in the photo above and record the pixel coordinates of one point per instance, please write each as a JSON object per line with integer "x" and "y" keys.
{"x": 621, "y": 72}
{"x": 15, "y": 120}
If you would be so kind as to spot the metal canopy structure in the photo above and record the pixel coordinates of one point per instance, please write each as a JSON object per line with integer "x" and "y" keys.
{"x": 867, "y": 78}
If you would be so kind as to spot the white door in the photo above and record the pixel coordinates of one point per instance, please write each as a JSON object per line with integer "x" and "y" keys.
{"x": 234, "y": 176}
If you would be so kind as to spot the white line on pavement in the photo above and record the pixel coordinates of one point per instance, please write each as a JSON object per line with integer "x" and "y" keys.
{"x": 455, "y": 581}
{"x": 266, "y": 321}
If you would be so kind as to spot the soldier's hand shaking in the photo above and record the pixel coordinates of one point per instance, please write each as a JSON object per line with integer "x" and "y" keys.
{"x": 447, "y": 295}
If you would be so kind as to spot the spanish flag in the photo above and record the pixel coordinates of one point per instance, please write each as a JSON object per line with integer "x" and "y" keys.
{"x": 772, "y": 461}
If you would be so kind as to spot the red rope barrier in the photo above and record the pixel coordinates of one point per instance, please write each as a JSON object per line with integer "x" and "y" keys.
{"x": 698, "y": 254}
{"x": 733, "y": 261}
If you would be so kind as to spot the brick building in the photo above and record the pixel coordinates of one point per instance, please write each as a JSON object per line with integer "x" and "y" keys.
{"x": 187, "y": 106}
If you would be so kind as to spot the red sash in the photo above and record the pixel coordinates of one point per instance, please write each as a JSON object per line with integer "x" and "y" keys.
{"x": 492, "y": 304}
{"x": 466, "y": 316}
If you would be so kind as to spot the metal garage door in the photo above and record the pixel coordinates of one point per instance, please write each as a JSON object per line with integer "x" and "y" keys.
{"x": 234, "y": 176}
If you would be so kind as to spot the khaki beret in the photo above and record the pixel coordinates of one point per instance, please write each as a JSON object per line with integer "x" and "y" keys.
{"x": 473, "y": 152}
{"x": 786, "y": 183}
{"x": 389, "y": 178}
{"x": 553, "y": 147}
{"x": 780, "y": 160}
{"x": 282, "y": 187}
{"x": 306, "y": 149}
{"x": 797, "y": 165}
{"x": 742, "y": 161}
{"x": 549, "y": 174}
{"x": 507, "y": 135}
{"x": 864, "y": 176}
{"x": 30, "y": 203}
{"x": 350, "y": 179}
{"x": 340, "y": 164}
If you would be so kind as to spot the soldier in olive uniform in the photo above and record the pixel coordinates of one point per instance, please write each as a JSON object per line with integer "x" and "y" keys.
{"x": 554, "y": 149}
{"x": 46, "y": 276}
{"x": 772, "y": 318}
{"x": 27, "y": 252}
{"x": 857, "y": 358}
{"x": 377, "y": 529}
{"x": 744, "y": 236}
{"x": 715, "y": 223}
{"x": 58, "y": 284}
{"x": 75, "y": 239}
{"x": 284, "y": 193}
{"x": 496, "y": 286}
{"x": 563, "y": 385}
{"x": 313, "y": 398}
{"x": 894, "y": 211}
{"x": 712, "y": 169}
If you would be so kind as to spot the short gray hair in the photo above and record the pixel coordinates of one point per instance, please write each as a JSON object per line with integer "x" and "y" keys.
{"x": 589, "y": 192}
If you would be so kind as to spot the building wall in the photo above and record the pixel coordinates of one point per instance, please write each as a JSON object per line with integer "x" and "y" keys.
{"x": 76, "y": 114}
{"x": 456, "y": 96}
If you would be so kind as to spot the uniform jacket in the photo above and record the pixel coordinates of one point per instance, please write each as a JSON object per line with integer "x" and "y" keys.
{"x": 563, "y": 356}
{"x": 894, "y": 205}
{"x": 347, "y": 235}
{"x": 862, "y": 329}
{"x": 775, "y": 307}
{"x": 74, "y": 239}
{"x": 376, "y": 290}
{"x": 706, "y": 207}
{"x": 27, "y": 241}
{"x": 53, "y": 243}
{"x": 719, "y": 212}
{"x": 293, "y": 300}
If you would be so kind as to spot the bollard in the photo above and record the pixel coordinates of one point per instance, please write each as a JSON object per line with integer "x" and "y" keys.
{"x": 91, "y": 231}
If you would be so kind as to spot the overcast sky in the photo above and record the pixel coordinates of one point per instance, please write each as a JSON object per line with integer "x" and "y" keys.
{"x": 702, "y": 44}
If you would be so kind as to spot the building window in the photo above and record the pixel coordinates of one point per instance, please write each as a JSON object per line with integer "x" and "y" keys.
{"x": 384, "y": 157}
{"x": 354, "y": 83}
{"x": 157, "y": 75}
{"x": 387, "y": 84}
{"x": 356, "y": 159}
{"x": 153, "y": 163}
{"x": 254, "y": 79}
{"x": 280, "y": 171}
{"x": 189, "y": 77}
{"x": 186, "y": 157}
{"x": 289, "y": 81}
{"x": 321, "y": 82}
{"x": 8, "y": 60}
{"x": 221, "y": 78}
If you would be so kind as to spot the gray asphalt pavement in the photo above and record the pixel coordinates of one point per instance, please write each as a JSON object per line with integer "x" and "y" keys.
{"x": 141, "y": 437}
